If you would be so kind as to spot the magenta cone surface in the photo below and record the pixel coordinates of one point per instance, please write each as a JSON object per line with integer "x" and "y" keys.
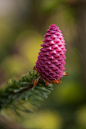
{"x": 50, "y": 63}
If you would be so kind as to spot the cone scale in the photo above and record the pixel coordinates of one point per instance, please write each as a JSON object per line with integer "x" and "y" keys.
{"x": 51, "y": 58}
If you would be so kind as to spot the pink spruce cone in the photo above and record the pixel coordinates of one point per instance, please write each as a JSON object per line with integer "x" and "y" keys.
{"x": 50, "y": 63}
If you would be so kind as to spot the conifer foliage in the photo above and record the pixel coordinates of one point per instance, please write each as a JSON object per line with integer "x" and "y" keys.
{"x": 22, "y": 90}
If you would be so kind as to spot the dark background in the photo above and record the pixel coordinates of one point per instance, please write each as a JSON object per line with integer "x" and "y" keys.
{"x": 23, "y": 23}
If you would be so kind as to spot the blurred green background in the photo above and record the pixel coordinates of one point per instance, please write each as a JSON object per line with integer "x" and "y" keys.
{"x": 23, "y": 23}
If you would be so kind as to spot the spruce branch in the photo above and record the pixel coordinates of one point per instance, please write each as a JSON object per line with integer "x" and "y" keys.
{"x": 35, "y": 87}
{"x": 22, "y": 90}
